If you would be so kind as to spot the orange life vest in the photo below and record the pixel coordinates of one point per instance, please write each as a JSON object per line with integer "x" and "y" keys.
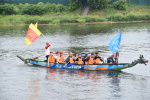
{"x": 80, "y": 61}
{"x": 97, "y": 61}
{"x": 71, "y": 60}
{"x": 51, "y": 59}
{"x": 91, "y": 60}
{"x": 62, "y": 59}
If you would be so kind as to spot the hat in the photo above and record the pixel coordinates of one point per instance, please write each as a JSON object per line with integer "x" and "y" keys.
{"x": 61, "y": 52}
{"x": 51, "y": 52}
{"x": 76, "y": 53}
{"x": 69, "y": 52}
{"x": 47, "y": 43}
{"x": 86, "y": 54}
{"x": 57, "y": 52}
{"x": 80, "y": 54}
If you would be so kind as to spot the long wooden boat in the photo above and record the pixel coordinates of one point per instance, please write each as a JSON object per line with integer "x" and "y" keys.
{"x": 104, "y": 66}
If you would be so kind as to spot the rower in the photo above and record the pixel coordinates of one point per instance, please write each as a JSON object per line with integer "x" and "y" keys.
{"x": 51, "y": 58}
{"x": 110, "y": 58}
{"x": 47, "y": 50}
{"x": 76, "y": 56}
{"x": 57, "y": 56}
{"x": 70, "y": 59}
{"x": 98, "y": 58}
{"x": 68, "y": 55}
{"x": 85, "y": 57}
{"x": 62, "y": 59}
{"x": 79, "y": 60}
{"x": 116, "y": 55}
{"x": 90, "y": 59}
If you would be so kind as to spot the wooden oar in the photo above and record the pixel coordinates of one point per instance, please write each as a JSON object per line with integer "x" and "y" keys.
{"x": 38, "y": 57}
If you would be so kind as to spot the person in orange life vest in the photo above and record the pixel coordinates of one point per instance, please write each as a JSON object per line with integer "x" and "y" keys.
{"x": 47, "y": 50}
{"x": 57, "y": 56}
{"x": 68, "y": 54}
{"x": 116, "y": 55}
{"x": 84, "y": 59}
{"x": 70, "y": 59}
{"x": 90, "y": 59}
{"x": 79, "y": 60}
{"x": 98, "y": 58}
{"x": 62, "y": 59}
{"x": 51, "y": 58}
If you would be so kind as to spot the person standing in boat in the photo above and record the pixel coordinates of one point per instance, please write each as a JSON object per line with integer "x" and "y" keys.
{"x": 90, "y": 59}
{"x": 70, "y": 59}
{"x": 62, "y": 59}
{"x": 51, "y": 58}
{"x": 98, "y": 58}
{"x": 79, "y": 60}
{"x": 47, "y": 50}
{"x": 57, "y": 57}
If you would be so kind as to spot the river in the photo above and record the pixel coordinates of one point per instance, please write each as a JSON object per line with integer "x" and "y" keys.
{"x": 19, "y": 81}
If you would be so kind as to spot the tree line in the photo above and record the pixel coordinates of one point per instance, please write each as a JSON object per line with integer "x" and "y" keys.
{"x": 41, "y": 8}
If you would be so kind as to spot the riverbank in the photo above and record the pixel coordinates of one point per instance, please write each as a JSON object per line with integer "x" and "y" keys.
{"x": 81, "y": 23}
{"x": 107, "y": 15}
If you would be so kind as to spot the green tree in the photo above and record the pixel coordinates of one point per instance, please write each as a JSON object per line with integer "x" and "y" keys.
{"x": 74, "y": 4}
{"x": 7, "y": 9}
{"x": 97, "y": 4}
{"x": 120, "y": 4}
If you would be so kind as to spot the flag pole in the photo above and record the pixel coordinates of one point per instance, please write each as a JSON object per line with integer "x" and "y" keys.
{"x": 44, "y": 37}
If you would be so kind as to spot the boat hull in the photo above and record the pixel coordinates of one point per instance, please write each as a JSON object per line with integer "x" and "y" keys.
{"x": 116, "y": 67}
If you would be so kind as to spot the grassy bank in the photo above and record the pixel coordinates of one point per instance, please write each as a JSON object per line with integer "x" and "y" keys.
{"x": 109, "y": 14}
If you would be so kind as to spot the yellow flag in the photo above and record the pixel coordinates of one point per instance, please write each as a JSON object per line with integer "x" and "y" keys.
{"x": 32, "y": 35}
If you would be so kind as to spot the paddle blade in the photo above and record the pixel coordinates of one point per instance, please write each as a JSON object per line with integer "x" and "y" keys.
{"x": 54, "y": 65}
{"x": 70, "y": 64}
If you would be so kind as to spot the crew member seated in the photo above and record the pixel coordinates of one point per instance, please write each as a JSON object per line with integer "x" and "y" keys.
{"x": 70, "y": 59}
{"x": 98, "y": 58}
{"x": 51, "y": 58}
{"x": 79, "y": 60}
{"x": 90, "y": 59}
{"x": 110, "y": 58}
{"x": 62, "y": 59}
{"x": 57, "y": 56}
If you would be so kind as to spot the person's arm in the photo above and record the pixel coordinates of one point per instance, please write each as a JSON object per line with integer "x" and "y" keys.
{"x": 67, "y": 60}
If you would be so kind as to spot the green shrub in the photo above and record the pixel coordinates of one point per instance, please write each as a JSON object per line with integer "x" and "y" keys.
{"x": 117, "y": 17}
{"x": 59, "y": 8}
{"x": 97, "y": 4}
{"x": 81, "y": 20}
{"x": 7, "y": 9}
{"x": 56, "y": 21}
{"x": 32, "y": 9}
{"x": 120, "y": 4}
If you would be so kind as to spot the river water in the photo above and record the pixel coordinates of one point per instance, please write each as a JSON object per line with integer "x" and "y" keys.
{"x": 19, "y": 81}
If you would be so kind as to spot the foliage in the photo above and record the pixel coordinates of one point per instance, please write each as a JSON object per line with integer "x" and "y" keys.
{"x": 59, "y": 8}
{"x": 120, "y": 4}
{"x": 74, "y": 4}
{"x": 32, "y": 9}
{"x": 50, "y": 7}
{"x": 7, "y": 9}
{"x": 97, "y": 4}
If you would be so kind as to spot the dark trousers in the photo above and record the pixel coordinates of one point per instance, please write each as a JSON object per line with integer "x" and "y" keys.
{"x": 47, "y": 58}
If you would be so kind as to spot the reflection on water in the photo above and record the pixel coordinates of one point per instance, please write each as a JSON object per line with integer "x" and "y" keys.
{"x": 19, "y": 81}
